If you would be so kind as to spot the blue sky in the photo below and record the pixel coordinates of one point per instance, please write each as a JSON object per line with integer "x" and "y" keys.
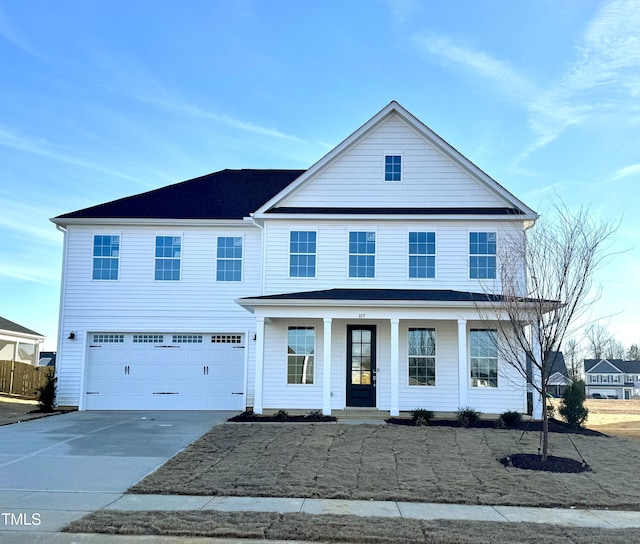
{"x": 103, "y": 99}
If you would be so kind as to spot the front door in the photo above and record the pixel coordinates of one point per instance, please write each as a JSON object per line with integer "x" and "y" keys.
{"x": 361, "y": 365}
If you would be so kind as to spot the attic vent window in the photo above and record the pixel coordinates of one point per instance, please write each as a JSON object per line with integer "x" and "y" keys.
{"x": 393, "y": 167}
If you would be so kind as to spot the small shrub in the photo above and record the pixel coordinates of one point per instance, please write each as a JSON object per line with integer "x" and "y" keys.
{"x": 511, "y": 418}
{"x": 421, "y": 416}
{"x": 572, "y": 409}
{"x": 551, "y": 411}
{"x": 468, "y": 417}
{"x": 47, "y": 392}
{"x": 314, "y": 414}
{"x": 282, "y": 415}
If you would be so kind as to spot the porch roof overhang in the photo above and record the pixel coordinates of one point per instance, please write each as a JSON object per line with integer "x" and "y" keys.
{"x": 398, "y": 302}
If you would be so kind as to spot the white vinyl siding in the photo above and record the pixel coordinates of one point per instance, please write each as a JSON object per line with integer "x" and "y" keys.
{"x": 137, "y": 299}
{"x": 427, "y": 176}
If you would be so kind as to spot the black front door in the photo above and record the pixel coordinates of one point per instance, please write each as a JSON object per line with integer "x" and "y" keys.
{"x": 361, "y": 365}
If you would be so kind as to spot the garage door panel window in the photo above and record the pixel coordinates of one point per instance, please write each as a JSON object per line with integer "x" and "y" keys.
{"x": 187, "y": 339}
{"x": 148, "y": 338}
{"x": 108, "y": 338}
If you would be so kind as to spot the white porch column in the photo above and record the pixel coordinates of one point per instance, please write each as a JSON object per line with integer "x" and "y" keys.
{"x": 326, "y": 368}
{"x": 463, "y": 378}
{"x": 257, "y": 399}
{"x": 395, "y": 411}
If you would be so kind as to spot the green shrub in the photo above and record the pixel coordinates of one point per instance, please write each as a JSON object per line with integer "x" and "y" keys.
{"x": 421, "y": 416}
{"x": 511, "y": 418}
{"x": 315, "y": 414}
{"x": 282, "y": 415}
{"x": 572, "y": 409}
{"x": 468, "y": 417}
{"x": 47, "y": 392}
{"x": 551, "y": 410}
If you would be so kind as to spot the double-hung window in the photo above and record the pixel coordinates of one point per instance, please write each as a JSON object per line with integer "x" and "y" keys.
{"x": 484, "y": 357}
{"x": 393, "y": 167}
{"x": 422, "y": 356}
{"x": 106, "y": 254}
{"x": 302, "y": 254}
{"x": 422, "y": 254}
{"x": 482, "y": 255}
{"x": 229, "y": 263}
{"x": 301, "y": 355}
{"x": 362, "y": 254}
{"x": 168, "y": 252}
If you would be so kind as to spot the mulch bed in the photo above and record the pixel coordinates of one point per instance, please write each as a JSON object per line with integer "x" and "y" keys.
{"x": 555, "y": 426}
{"x": 529, "y": 461}
{"x": 250, "y": 417}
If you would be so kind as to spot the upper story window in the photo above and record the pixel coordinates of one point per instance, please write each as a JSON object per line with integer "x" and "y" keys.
{"x": 106, "y": 254}
{"x": 484, "y": 357}
{"x": 229, "y": 263}
{"x": 422, "y": 356}
{"x": 362, "y": 254}
{"x": 300, "y": 355}
{"x": 482, "y": 255}
{"x": 393, "y": 167}
{"x": 168, "y": 251}
{"x": 422, "y": 254}
{"x": 302, "y": 254}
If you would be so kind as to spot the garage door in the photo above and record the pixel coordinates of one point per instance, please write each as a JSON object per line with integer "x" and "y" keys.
{"x": 165, "y": 372}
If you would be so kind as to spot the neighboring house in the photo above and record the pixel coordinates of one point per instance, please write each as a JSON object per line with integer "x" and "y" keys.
{"x": 559, "y": 380}
{"x": 612, "y": 378}
{"x": 47, "y": 358}
{"x": 17, "y": 343}
{"x": 353, "y": 283}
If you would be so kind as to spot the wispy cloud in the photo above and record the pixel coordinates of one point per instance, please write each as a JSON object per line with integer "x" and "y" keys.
{"x": 633, "y": 170}
{"x": 20, "y": 217}
{"x": 18, "y": 40}
{"x": 19, "y": 142}
{"x": 607, "y": 64}
{"x": 477, "y": 62}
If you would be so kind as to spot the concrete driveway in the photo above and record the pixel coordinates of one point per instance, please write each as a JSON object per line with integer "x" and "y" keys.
{"x": 57, "y": 469}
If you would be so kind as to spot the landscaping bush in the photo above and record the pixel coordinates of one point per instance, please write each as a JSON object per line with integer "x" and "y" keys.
{"x": 47, "y": 392}
{"x": 511, "y": 418}
{"x": 421, "y": 416}
{"x": 572, "y": 409}
{"x": 282, "y": 415}
{"x": 468, "y": 417}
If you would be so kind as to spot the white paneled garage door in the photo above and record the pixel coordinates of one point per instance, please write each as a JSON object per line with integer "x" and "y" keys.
{"x": 163, "y": 371}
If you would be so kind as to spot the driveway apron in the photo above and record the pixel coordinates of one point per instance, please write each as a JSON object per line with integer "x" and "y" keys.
{"x": 57, "y": 469}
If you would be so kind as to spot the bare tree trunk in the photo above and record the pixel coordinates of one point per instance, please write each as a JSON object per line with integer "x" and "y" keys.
{"x": 545, "y": 423}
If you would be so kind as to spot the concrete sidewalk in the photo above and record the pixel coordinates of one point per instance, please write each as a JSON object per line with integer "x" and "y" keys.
{"x": 46, "y": 513}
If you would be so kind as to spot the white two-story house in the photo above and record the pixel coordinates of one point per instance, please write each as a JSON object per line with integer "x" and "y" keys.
{"x": 354, "y": 283}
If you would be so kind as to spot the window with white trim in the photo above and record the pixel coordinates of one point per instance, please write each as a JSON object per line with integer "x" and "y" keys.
{"x": 484, "y": 357}
{"x": 229, "y": 264}
{"x": 482, "y": 255}
{"x": 301, "y": 355}
{"x": 422, "y": 254}
{"x": 108, "y": 338}
{"x": 302, "y": 254}
{"x": 422, "y": 356}
{"x": 393, "y": 167}
{"x": 187, "y": 339}
{"x": 106, "y": 257}
{"x": 168, "y": 252}
{"x": 148, "y": 338}
{"x": 362, "y": 254}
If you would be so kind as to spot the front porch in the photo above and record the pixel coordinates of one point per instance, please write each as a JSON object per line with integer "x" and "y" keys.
{"x": 332, "y": 374}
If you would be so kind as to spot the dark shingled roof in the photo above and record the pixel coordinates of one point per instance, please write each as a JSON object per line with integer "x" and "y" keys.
{"x": 228, "y": 194}
{"x": 6, "y": 325}
{"x": 426, "y": 295}
{"x": 627, "y": 367}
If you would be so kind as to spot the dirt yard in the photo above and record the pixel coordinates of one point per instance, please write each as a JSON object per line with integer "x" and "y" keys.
{"x": 615, "y": 417}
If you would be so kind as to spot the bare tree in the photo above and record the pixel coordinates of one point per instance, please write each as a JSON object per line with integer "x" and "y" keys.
{"x": 573, "y": 355}
{"x": 634, "y": 353}
{"x": 546, "y": 285}
{"x": 598, "y": 338}
{"x": 614, "y": 350}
